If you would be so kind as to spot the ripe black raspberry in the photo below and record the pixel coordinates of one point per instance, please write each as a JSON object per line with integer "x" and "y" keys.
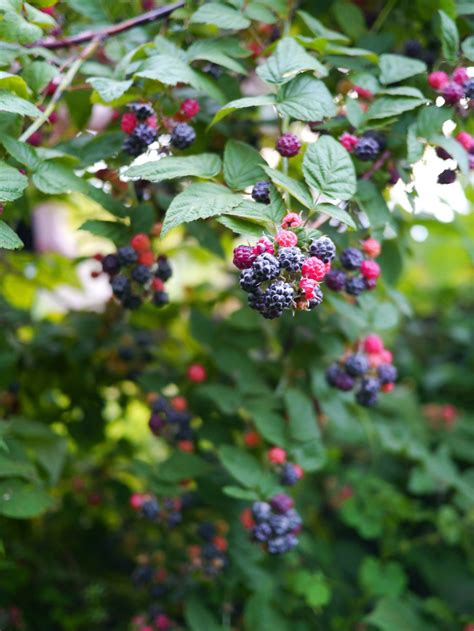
{"x": 256, "y": 300}
{"x": 141, "y": 274}
{"x": 265, "y": 267}
{"x": 317, "y": 298}
{"x": 145, "y": 134}
{"x": 160, "y": 298}
{"x": 261, "y": 192}
{"x": 355, "y": 285}
{"x": 351, "y": 258}
{"x": 338, "y": 378}
{"x": 132, "y": 301}
{"x": 447, "y": 177}
{"x": 164, "y": 271}
{"x": 367, "y": 149}
{"x": 262, "y": 532}
{"x": 150, "y": 509}
{"x": 134, "y": 146}
{"x": 120, "y": 286}
{"x": 469, "y": 88}
{"x": 280, "y": 545}
{"x": 387, "y": 373}
{"x": 335, "y": 279}
{"x": 288, "y": 145}
{"x": 367, "y": 395}
{"x": 356, "y": 365}
{"x": 110, "y": 264}
{"x": 248, "y": 281}
{"x": 289, "y": 477}
{"x": 323, "y": 249}
{"x": 378, "y": 136}
{"x": 142, "y": 111}
{"x": 127, "y": 255}
{"x": 279, "y": 296}
{"x": 261, "y": 511}
{"x": 182, "y": 136}
{"x": 442, "y": 153}
{"x": 291, "y": 259}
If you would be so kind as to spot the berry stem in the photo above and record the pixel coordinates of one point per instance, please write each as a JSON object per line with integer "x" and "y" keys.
{"x": 383, "y": 15}
{"x": 377, "y": 165}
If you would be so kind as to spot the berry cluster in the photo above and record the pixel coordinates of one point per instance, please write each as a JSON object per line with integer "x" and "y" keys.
{"x": 168, "y": 512}
{"x": 453, "y": 88}
{"x": 369, "y": 370}
{"x": 136, "y": 274}
{"x": 284, "y": 273}
{"x": 360, "y": 271}
{"x": 366, "y": 147}
{"x": 156, "y": 621}
{"x": 441, "y": 416}
{"x": 170, "y": 419}
{"x": 209, "y": 558}
{"x": 289, "y": 473}
{"x": 140, "y": 124}
{"x": 275, "y": 524}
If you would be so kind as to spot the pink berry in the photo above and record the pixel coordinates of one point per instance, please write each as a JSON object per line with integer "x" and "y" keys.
{"x": 244, "y": 256}
{"x": 438, "y": 79}
{"x": 371, "y": 247}
{"x": 374, "y": 360}
{"x": 327, "y": 266}
{"x": 136, "y": 500}
{"x": 299, "y": 471}
{"x": 452, "y": 92}
{"x": 373, "y": 344}
{"x": 460, "y": 75}
{"x": 189, "y": 108}
{"x": 348, "y": 141}
{"x": 363, "y": 93}
{"x": 140, "y": 242}
{"x": 370, "y": 269}
{"x": 465, "y": 139}
{"x": 277, "y": 455}
{"x": 152, "y": 121}
{"x": 288, "y": 145}
{"x": 387, "y": 387}
{"x": 386, "y": 356}
{"x": 128, "y": 122}
{"x": 263, "y": 245}
{"x": 292, "y": 220}
{"x": 35, "y": 139}
{"x": 162, "y": 622}
{"x": 286, "y": 239}
{"x": 313, "y": 268}
{"x": 308, "y": 285}
{"x": 197, "y": 373}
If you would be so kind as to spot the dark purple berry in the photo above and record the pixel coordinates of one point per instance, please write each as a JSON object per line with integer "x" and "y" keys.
{"x": 120, "y": 286}
{"x": 367, "y": 149}
{"x": 150, "y": 509}
{"x": 182, "y": 136}
{"x": 289, "y": 477}
{"x": 145, "y": 133}
{"x": 317, "y": 298}
{"x": 355, "y": 285}
{"x": 281, "y": 503}
{"x": 261, "y": 192}
{"x": 448, "y": 176}
{"x": 142, "y": 111}
{"x": 387, "y": 373}
{"x": 452, "y": 92}
{"x": 111, "y": 264}
{"x": 291, "y": 258}
{"x": 442, "y": 153}
{"x": 351, "y": 258}
{"x": 323, "y": 249}
{"x": 127, "y": 255}
{"x": 280, "y": 524}
{"x": 469, "y": 88}
{"x": 335, "y": 279}
{"x": 356, "y": 365}
{"x": 261, "y": 511}
{"x": 160, "y": 298}
{"x": 279, "y": 295}
{"x": 288, "y": 145}
{"x": 248, "y": 281}
{"x": 134, "y": 146}
{"x": 141, "y": 274}
{"x": 132, "y": 302}
{"x": 265, "y": 267}
{"x": 164, "y": 271}
{"x": 262, "y": 532}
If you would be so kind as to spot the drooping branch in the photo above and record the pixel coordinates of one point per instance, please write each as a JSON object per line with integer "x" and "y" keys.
{"x": 116, "y": 29}
{"x": 377, "y": 165}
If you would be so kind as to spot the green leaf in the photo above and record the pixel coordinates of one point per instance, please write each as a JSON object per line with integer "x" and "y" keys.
{"x": 21, "y": 151}
{"x": 198, "y": 618}
{"x": 11, "y": 103}
{"x": 312, "y": 586}
{"x": 21, "y": 500}
{"x": 13, "y": 468}
{"x": 181, "y": 466}
{"x": 54, "y": 178}
{"x": 203, "y": 200}
{"x": 310, "y": 455}
{"x": 9, "y": 240}
{"x": 260, "y": 13}
{"x": 449, "y": 37}
{"x": 38, "y": 74}
{"x": 355, "y": 114}
{"x": 415, "y": 148}
{"x": 390, "y": 614}
{"x": 250, "y": 227}
{"x": 372, "y": 203}
{"x": 113, "y": 230}
{"x": 320, "y": 30}
{"x": 14, "y": 83}
{"x": 395, "y": 68}
{"x": 303, "y": 426}
{"x": 205, "y": 165}
{"x": 241, "y": 465}
{"x": 220, "y": 15}
{"x": 168, "y": 69}
{"x": 270, "y": 425}
{"x": 242, "y": 165}
{"x": 109, "y": 89}
{"x": 215, "y": 50}
{"x": 350, "y": 18}
{"x": 391, "y": 106}
{"x": 12, "y": 183}
{"x": 288, "y": 60}
{"x": 296, "y": 189}
{"x": 382, "y": 579}
{"x": 262, "y": 614}
{"x": 14, "y": 28}
{"x": 306, "y": 98}
{"x": 39, "y": 18}
{"x": 430, "y": 121}
{"x": 240, "y": 493}
{"x": 468, "y": 47}
{"x": 328, "y": 168}
{"x": 248, "y": 101}
{"x": 336, "y": 213}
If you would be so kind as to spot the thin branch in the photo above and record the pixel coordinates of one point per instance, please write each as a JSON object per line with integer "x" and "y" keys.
{"x": 377, "y": 165}
{"x": 116, "y": 29}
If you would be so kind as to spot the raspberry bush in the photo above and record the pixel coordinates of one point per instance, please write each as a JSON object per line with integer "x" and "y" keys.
{"x": 235, "y": 369}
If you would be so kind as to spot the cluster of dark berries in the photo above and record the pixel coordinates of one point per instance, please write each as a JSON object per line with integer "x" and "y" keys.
{"x": 171, "y": 420}
{"x": 453, "y": 88}
{"x": 369, "y": 371}
{"x": 366, "y": 147}
{"x": 288, "y": 472}
{"x": 136, "y": 275}
{"x": 274, "y": 524}
{"x": 282, "y": 274}
{"x": 166, "y": 512}
{"x": 140, "y": 124}
{"x": 359, "y": 273}
{"x": 209, "y": 557}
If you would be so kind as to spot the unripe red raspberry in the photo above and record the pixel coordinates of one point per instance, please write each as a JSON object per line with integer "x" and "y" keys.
{"x": 244, "y": 256}
{"x": 288, "y": 145}
{"x": 128, "y": 122}
{"x": 136, "y": 500}
{"x": 246, "y": 518}
{"x": 469, "y": 627}
{"x": 438, "y": 79}
{"x": 371, "y": 247}
{"x": 162, "y": 622}
{"x": 152, "y": 122}
{"x": 374, "y": 360}
{"x": 299, "y": 471}
{"x": 48, "y": 10}
{"x": 256, "y": 49}
{"x": 465, "y": 139}
{"x": 35, "y": 139}
{"x": 348, "y": 141}
{"x": 186, "y": 446}
{"x": 373, "y": 344}
{"x": 387, "y": 387}
{"x": 179, "y": 403}
{"x": 308, "y": 285}
{"x": 252, "y": 439}
{"x": 148, "y": 5}
{"x": 197, "y": 373}
{"x": 286, "y": 239}
{"x": 189, "y": 108}
{"x": 370, "y": 269}
{"x": 276, "y": 455}
{"x": 460, "y": 75}
{"x": 140, "y": 242}
{"x": 221, "y": 543}
{"x": 157, "y": 284}
{"x": 313, "y": 268}
{"x": 146, "y": 258}
{"x": 263, "y": 245}
{"x": 386, "y": 356}
{"x": 363, "y": 93}
{"x": 292, "y": 220}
